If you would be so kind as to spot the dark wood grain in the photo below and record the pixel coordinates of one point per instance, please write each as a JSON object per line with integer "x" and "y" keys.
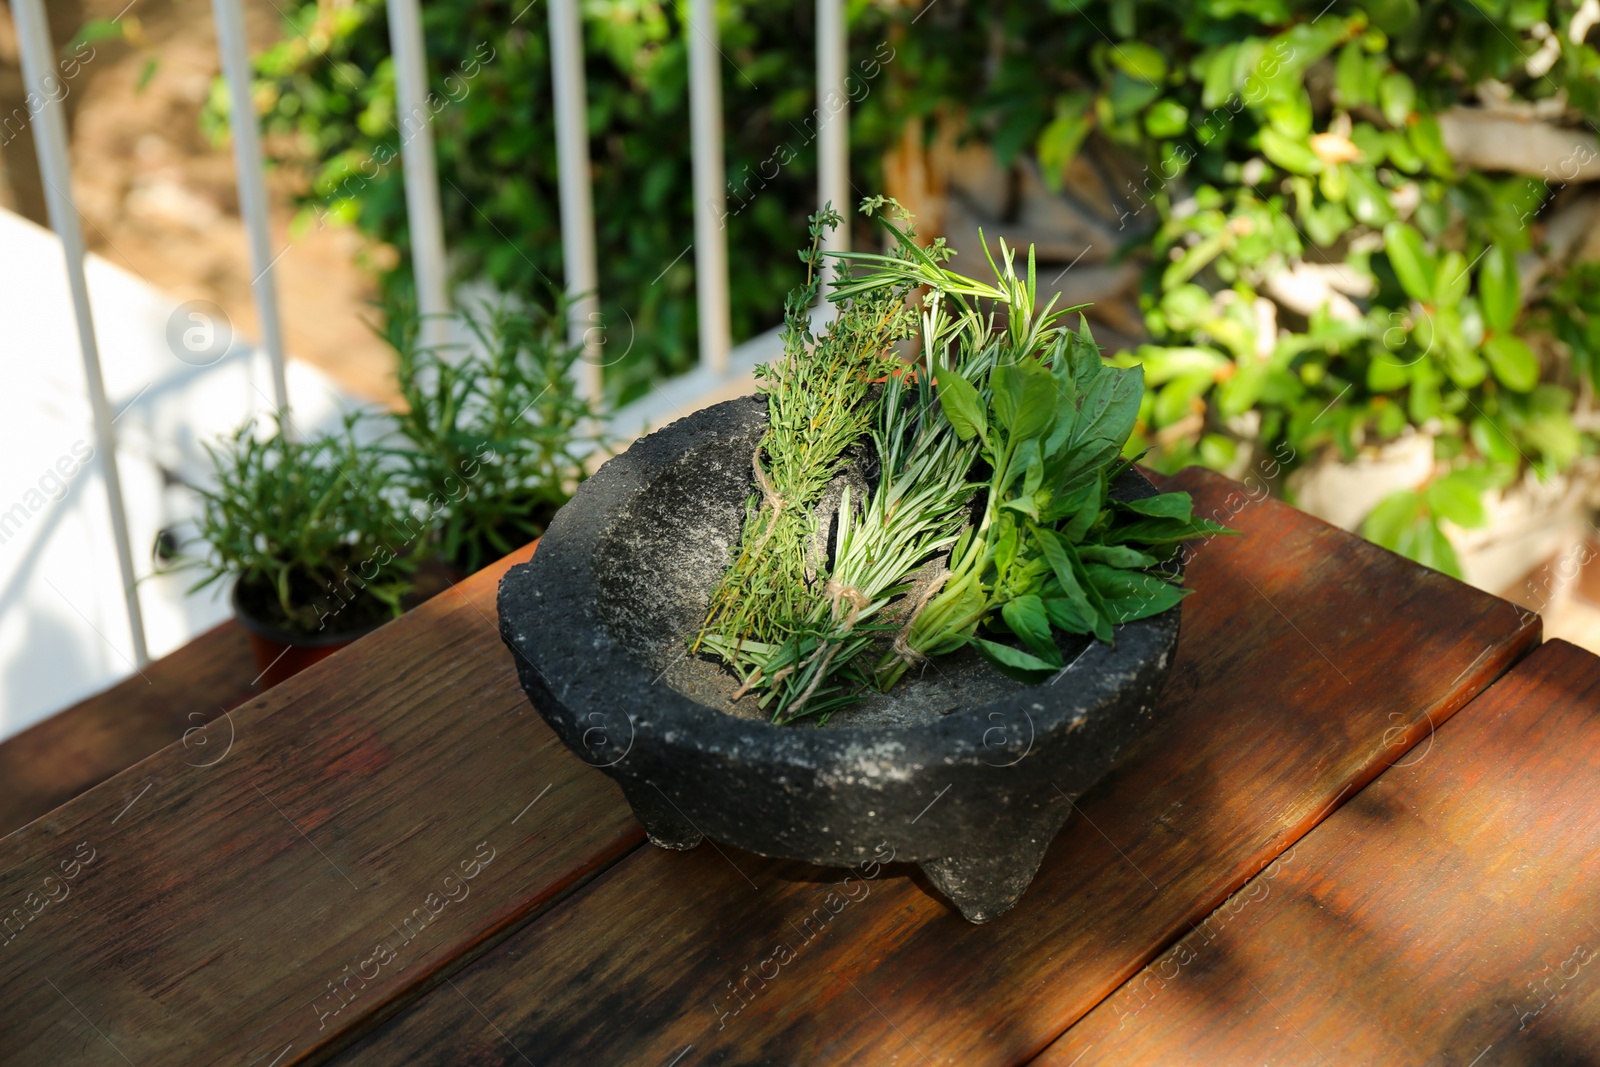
{"x": 1449, "y": 914}
{"x": 1309, "y": 661}
{"x": 54, "y": 760}
{"x": 257, "y": 892}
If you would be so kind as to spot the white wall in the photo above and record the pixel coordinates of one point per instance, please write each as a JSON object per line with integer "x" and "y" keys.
{"x": 63, "y": 626}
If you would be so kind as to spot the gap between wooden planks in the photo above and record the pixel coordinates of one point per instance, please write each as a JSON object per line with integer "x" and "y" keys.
{"x": 1309, "y": 661}
{"x": 1448, "y": 914}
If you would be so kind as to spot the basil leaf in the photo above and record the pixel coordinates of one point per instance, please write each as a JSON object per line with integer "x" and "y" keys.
{"x": 1027, "y": 618}
{"x": 1060, "y": 558}
{"x": 961, "y": 406}
{"x": 1037, "y": 405}
{"x": 1069, "y": 616}
{"x": 1131, "y": 595}
{"x": 1014, "y": 661}
{"x": 1162, "y": 505}
{"x": 1116, "y": 556}
{"x": 1007, "y": 383}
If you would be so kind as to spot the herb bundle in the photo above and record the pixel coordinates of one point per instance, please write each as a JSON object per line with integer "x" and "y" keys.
{"x": 991, "y": 524}
{"x": 818, "y": 406}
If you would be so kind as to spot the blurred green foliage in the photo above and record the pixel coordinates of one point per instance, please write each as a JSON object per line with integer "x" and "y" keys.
{"x": 1276, "y": 134}
{"x": 328, "y": 101}
{"x": 1273, "y": 133}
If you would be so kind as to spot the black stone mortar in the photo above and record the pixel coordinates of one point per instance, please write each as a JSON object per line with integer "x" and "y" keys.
{"x": 960, "y": 769}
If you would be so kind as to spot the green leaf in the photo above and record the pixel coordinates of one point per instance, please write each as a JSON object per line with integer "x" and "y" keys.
{"x": 1006, "y": 381}
{"x": 1038, "y": 402}
{"x": 1456, "y": 498}
{"x": 1350, "y": 77}
{"x": 1060, "y": 141}
{"x": 1059, "y": 556}
{"x": 1424, "y": 542}
{"x": 1292, "y": 155}
{"x": 94, "y": 31}
{"x": 1491, "y": 439}
{"x": 1385, "y": 374}
{"x": 1069, "y": 616}
{"x": 1386, "y": 523}
{"x": 1027, "y": 618}
{"x": 1139, "y": 60}
{"x": 1164, "y": 531}
{"x": 1217, "y": 79}
{"x": 1131, "y": 595}
{"x": 1106, "y": 416}
{"x": 1392, "y": 16}
{"x": 1498, "y": 288}
{"x": 1027, "y": 504}
{"x": 1513, "y": 362}
{"x": 1014, "y": 660}
{"x": 1412, "y": 262}
{"x": 1451, "y": 280}
{"x": 1129, "y": 95}
{"x": 961, "y": 405}
{"x": 1368, "y": 200}
{"x": 1166, "y": 119}
{"x": 1162, "y": 505}
{"x": 1397, "y": 97}
{"x": 1291, "y": 115}
{"x": 1116, "y": 556}
{"x": 1428, "y": 139}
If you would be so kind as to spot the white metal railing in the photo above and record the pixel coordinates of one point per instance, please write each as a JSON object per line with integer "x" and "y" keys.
{"x": 723, "y": 369}
{"x": 50, "y": 140}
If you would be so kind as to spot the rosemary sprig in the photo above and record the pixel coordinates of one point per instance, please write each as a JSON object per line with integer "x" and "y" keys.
{"x": 916, "y": 513}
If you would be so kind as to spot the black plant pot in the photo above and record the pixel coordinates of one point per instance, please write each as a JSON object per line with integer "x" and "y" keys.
{"x": 280, "y": 654}
{"x": 962, "y": 770}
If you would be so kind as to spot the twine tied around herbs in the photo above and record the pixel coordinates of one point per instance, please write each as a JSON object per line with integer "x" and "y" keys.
{"x": 902, "y": 646}
{"x": 770, "y": 501}
{"x": 838, "y": 593}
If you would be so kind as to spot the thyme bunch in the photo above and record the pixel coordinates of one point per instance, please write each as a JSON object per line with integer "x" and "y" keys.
{"x": 817, "y": 407}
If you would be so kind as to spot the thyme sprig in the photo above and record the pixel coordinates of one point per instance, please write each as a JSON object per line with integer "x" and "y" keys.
{"x": 817, "y": 407}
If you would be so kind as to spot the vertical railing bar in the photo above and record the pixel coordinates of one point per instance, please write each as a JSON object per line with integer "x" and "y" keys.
{"x": 577, "y": 206}
{"x": 245, "y": 127}
{"x": 424, "y": 218}
{"x": 710, "y": 198}
{"x": 50, "y": 137}
{"x": 833, "y": 126}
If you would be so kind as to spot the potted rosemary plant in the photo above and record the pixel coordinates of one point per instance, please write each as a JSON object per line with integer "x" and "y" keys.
{"x": 493, "y": 431}
{"x": 312, "y": 538}
{"x": 947, "y": 565}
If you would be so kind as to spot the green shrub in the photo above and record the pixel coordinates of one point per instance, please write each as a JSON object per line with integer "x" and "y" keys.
{"x": 312, "y": 531}
{"x": 1276, "y": 132}
{"x": 492, "y": 430}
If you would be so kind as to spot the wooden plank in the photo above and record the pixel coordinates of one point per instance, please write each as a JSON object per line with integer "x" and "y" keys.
{"x": 171, "y": 699}
{"x": 332, "y": 846}
{"x": 54, "y": 760}
{"x": 1309, "y": 660}
{"x": 1449, "y": 914}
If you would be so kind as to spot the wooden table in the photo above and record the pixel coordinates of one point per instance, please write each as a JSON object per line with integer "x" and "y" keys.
{"x": 390, "y": 860}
